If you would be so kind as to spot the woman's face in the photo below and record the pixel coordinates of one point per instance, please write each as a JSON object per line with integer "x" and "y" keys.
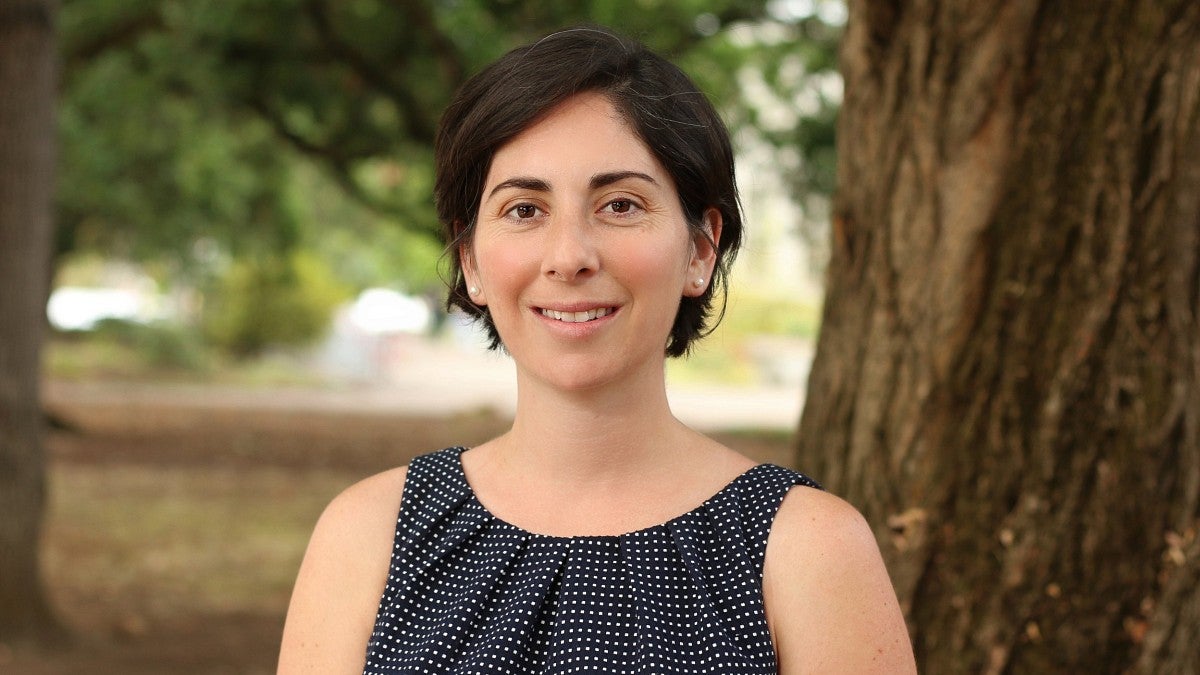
{"x": 581, "y": 251}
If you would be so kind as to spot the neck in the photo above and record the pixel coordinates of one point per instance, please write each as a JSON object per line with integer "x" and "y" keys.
{"x": 596, "y": 434}
{"x": 603, "y": 460}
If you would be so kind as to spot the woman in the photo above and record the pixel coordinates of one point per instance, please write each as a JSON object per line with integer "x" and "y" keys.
{"x": 587, "y": 190}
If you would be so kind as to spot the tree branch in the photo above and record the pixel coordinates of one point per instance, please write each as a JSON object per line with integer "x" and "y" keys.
{"x": 282, "y": 130}
{"x": 119, "y": 35}
{"x": 446, "y": 52}
{"x": 416, "y": 124}
{"x": 327, "y": 155}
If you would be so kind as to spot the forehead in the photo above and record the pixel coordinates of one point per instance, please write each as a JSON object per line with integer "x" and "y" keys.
{"x": 580, "y": 137}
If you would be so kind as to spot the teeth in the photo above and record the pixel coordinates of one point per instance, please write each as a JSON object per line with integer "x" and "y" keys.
{"x": 577, "y": 317}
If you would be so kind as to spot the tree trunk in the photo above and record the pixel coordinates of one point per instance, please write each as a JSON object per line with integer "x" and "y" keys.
{"x": 1008, "y": 377}
{"x": 27, "y": 95}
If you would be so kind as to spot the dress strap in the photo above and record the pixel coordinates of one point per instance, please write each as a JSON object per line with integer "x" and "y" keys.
{"x": 433, "y": 487}
{"x": 756, "y": 497}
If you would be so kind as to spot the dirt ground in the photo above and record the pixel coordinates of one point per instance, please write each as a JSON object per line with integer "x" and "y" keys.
{"x": 174, "y": 529}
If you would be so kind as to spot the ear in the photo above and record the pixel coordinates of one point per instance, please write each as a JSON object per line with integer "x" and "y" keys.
{"x": 466, "y": 260}
{"x": 704, "y": 254}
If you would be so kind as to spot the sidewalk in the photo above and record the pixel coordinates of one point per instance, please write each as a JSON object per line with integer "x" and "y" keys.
{"x": 429, "y": 378}
{"x": 707, "y": 408}
{"x": 412, "y": 376}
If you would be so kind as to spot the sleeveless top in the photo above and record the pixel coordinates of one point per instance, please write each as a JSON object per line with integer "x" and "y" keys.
{"x": 470, "y": 593}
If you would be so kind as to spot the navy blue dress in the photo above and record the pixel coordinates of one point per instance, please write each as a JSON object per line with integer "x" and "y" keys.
{"x": 470, "y": 593}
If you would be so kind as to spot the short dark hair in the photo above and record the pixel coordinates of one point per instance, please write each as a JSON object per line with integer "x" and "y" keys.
{"x": 663, "y": 106}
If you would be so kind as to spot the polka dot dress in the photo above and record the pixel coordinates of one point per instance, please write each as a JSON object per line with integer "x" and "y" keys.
{"x": 470, "y": 593}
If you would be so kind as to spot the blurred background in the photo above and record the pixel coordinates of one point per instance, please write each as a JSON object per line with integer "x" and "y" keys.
{"x": 247, "y": 303}
{"x": 243, "y": 304}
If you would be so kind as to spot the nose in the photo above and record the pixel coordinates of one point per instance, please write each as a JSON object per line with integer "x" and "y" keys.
{"x": 570, "y": 253}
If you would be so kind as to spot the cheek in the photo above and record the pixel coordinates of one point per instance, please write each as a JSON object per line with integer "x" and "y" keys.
{"x": 502, "y": 265}
{"x": 665, "y": 263}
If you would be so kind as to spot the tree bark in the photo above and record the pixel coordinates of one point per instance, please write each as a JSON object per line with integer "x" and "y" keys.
{"x": 27, "y": 159}
{"x": 1007, "y": 381}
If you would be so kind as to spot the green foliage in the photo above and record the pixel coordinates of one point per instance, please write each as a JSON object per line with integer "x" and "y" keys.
{"x": 119, "y": 348}
{"x": 794, "y": 72}
{"x": 192, "y": 113}
{"x": 363, "y": 248}
{"x": 160, "y": 344}
{"x": 750, "y": 314}
{"x": 149, "y": 168}
{"x": 160, "y": 93}
{"x": 284, "y": 300}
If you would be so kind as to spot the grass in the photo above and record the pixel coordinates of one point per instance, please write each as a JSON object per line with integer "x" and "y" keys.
{"x": 165, "y": 539}
{"x": 165, "y": 354}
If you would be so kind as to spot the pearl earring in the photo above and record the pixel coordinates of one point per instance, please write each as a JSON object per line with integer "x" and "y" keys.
{"x": 474, "y": 290}
{"x": 699, "y": 282}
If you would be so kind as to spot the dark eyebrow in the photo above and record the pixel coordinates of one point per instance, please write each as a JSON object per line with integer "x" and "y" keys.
{"x": 602, "y": 179}
{"x": 598, "y": 181}
{"x": 521, "y": 183}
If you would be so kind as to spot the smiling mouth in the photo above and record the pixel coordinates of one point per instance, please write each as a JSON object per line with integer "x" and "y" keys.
{"x": 578, "y": 317}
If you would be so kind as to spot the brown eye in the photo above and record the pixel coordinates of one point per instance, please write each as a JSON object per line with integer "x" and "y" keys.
{"x": 525, "y": 211}
{"x": 621, "y": 206}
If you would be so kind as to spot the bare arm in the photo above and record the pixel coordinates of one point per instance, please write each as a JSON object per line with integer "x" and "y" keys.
{"x": 830, "y": 605}
{"x": 332, "y": 612}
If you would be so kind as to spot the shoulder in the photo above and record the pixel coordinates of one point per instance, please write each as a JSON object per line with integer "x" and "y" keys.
{"x": 360, "y": 508}
{"x": 807, "y": 515}
{"x": 359, "y": 520}
{"x": 830, "y": 604}
{"x": 341, "y": 578}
